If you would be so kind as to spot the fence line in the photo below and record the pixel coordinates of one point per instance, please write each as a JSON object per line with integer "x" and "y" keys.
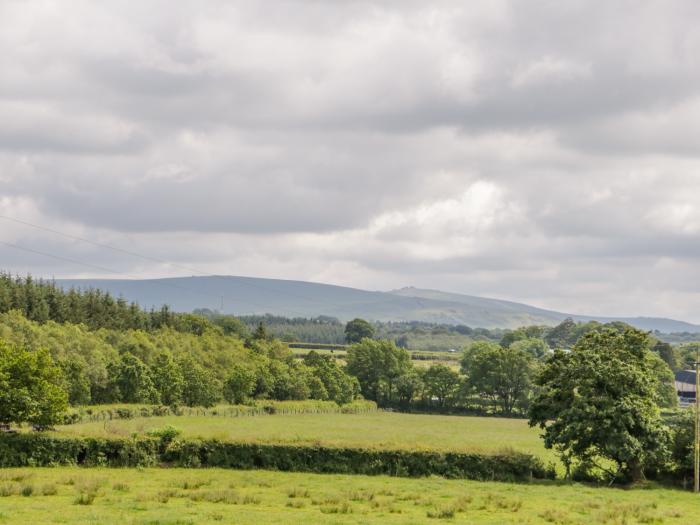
{"x": 125, "y": 412}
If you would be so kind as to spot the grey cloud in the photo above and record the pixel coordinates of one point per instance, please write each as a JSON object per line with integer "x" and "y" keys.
{"x": 334, "y": 141}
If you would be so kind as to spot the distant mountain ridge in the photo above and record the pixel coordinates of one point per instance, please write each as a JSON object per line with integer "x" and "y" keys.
{"x": 250, "y": 295}
{"x": 661, "y": 324}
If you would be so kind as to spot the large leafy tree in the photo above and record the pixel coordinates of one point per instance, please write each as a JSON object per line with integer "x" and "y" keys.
{"x": 168, "y": 379}
{"x": 441, "y": 383}
{"x": 503, "y": 375}
{"x": 239, "y": 385}
{"x": 358, "y": 329}
{"x": 134, "y": 381}
{"x": 200, "y": 387}
{"x": 377, "y": 366}
{"x": 76, "y": 382}
{"x": 563, "y": 335}
{"x": 599, "y": 402}
{"x": 31, "y": 387}
{"x": 339, "y": 386}
{"x": 409, "y": 386}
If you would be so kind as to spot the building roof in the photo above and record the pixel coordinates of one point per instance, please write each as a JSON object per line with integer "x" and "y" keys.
{"x": 685, "y": 381}
{"x": 686, "y": 376}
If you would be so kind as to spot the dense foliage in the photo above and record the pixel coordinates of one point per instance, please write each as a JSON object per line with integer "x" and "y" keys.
{"x": 494, "y": 377}
{"x": 43, "y": 450}
{"x": 377, "y": 365}
{"x": 167, "y": 366}
{"x": 109, "y": 351}
{"x": 43, "y": 301}
{"x": 30, "y": 387}
{"x": 599, "y": 402}
{"x": 357, "y": 330}
{"x": 502, "y": 374}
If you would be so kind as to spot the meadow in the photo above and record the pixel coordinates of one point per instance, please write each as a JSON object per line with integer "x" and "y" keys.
{"x": 375, "y": 430}
{"x": 71, "y": 495}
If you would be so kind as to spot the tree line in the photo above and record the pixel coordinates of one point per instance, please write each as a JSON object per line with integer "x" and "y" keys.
{"x": 43, "y": 301}
{"x": 597, "y": 403}
{"x": 161, "y": 366}
{"x": 492, "y": 377}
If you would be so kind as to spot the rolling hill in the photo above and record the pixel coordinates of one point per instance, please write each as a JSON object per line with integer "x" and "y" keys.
{"x": 248, "y": 295}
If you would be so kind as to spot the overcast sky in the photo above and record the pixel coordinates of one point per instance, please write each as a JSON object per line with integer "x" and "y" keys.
{"x": 545, "y": 152}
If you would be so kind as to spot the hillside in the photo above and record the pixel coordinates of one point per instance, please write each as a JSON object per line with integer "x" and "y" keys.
{"x": 520, "y": 310}
{"x": 247, "y": 295}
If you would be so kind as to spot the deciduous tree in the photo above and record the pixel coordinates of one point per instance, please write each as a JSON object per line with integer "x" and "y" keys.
{"x": 503, "y": 375}
{"x": 31, "y": 387}
{"x": 599, "y": 402}
{"x": 357, "y": 329}
{"x": 377, "y": 365}
{"x": 239, "y": 385}
{"x": 442, "y": 383}
{"x": 168, "y": 379}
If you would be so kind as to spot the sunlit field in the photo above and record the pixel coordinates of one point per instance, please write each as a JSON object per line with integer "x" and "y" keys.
{"x": 389, "y": 430}
{"x": 73, "y": 495}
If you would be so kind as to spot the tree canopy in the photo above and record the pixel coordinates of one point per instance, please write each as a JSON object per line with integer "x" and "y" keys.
{"x": 599, "y": 402}
{"x": 377, "y": 365}
{"x": 358, "y": 329}
{"x": 497, "y": 373}
{"x": 31, "y": 387}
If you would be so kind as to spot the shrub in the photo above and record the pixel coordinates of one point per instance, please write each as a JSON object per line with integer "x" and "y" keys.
{"x": 85, "y": 498}
{"x": 443, "y": 513}
{"x": 49, "y": 489}
{"x": 7, "y": 489}
{"x": 165, "y": 434}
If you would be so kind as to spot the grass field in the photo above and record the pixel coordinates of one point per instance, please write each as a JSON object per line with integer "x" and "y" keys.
{"x": 70, "y": 495}
{"x": 390, "y": 430}
{"x": 427, "y": 363}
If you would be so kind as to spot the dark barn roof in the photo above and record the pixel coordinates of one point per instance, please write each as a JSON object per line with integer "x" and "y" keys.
{"x": 686, "y": 376}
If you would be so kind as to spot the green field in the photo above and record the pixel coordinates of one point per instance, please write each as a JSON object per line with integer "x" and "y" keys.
{"x": 388, "y": 430}
{"x": 427, "y": 363}
{"x": 71, "y": 495}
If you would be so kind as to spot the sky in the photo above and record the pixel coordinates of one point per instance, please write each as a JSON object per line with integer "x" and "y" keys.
{"x": 545, "y": 152}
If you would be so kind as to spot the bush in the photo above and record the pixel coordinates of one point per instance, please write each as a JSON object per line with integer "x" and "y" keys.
{"x": 165, "y": 434}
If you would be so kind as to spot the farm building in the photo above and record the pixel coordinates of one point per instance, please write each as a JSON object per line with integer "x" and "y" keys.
{"x": 685, "y": 387}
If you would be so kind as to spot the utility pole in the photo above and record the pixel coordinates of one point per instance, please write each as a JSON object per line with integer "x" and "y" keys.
{"x": 697, "y": 420}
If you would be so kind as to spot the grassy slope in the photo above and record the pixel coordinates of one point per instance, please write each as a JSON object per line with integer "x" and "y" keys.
{"x": 170, "y": 496}
{"x": 380, "y": 429}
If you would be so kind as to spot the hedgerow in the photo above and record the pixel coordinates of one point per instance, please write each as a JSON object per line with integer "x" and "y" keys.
{"x": 20, "y": 450}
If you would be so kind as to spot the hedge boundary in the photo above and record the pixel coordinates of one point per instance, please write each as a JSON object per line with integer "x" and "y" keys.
{"x": 34, "y": 450}
{"x": 260, "y": 408}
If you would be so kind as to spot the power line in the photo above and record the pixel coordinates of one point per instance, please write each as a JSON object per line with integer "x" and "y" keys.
{"x": 101, "y": 268}
{"x": 82, "y": 239}
{"x": 189, "y": 269}
{"x": 60, "y": 258}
